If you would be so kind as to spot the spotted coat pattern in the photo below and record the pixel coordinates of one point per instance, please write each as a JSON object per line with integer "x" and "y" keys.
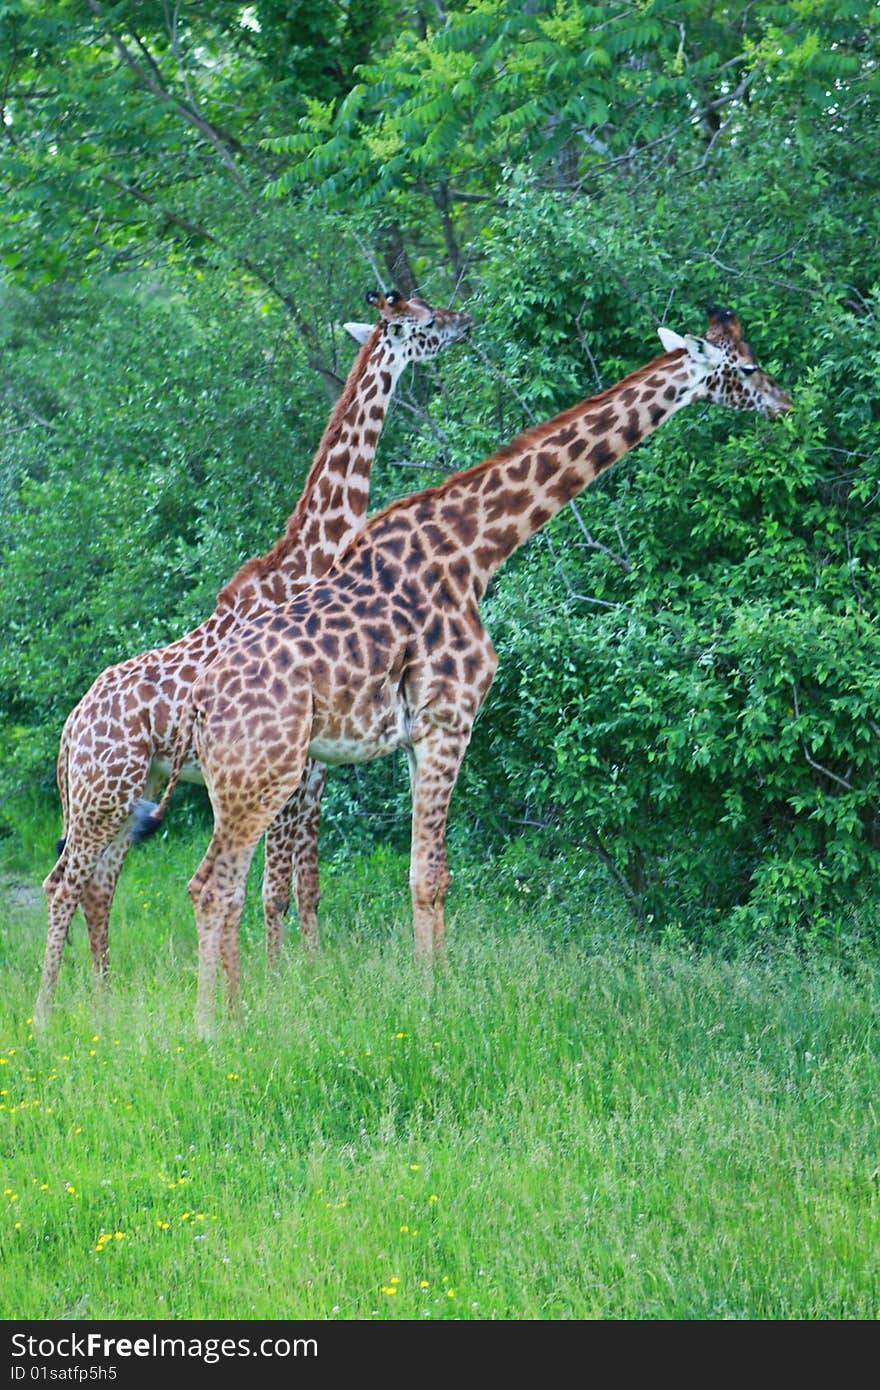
{"x": 388, "y": 650}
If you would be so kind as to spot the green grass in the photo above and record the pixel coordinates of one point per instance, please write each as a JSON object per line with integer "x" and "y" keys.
{"x": 574, "y": 1124}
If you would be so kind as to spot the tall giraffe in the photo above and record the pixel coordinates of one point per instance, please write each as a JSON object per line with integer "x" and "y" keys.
{"x": 388, "y": 650}
{"x": 116, "y": 744}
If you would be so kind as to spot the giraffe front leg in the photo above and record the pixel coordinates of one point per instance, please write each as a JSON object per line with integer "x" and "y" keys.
{"x": 292, "y": 849}
{"x": 434, "y": 764}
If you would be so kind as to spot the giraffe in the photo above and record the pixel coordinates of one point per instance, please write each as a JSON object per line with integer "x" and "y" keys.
{"x": 116, "y": 743}
{"x": 387, "y": 650}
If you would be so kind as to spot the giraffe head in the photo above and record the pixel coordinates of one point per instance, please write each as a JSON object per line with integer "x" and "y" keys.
{"x": 724, "y": 369}
{"x": 411, "y": 330}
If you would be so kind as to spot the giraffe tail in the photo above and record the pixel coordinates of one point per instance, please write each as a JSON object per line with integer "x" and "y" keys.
{"x": 61, "y": 780}
{"x": 147, "y": 816}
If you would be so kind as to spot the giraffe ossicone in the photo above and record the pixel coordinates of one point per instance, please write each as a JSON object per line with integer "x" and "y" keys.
{"x": 116, "y": 744}
{"x": 388, "y": 650}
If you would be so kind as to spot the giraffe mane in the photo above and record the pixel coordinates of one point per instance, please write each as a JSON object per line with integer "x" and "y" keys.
{"x": 529, "y": 439}
{"x": 261, "y": 565}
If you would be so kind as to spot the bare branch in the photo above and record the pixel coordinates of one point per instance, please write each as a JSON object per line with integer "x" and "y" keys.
{"x": 592, "y": 544}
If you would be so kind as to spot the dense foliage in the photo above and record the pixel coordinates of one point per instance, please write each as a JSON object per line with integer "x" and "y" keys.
{"x": 195, "y": 199}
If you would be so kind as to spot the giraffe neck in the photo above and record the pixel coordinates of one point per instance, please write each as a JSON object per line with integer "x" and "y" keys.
{"x": 334, "y": 500}
{"x": 475, "y": 520}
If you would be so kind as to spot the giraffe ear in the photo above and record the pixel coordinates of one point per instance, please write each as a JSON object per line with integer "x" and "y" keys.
{"x": 698, "y": 349}
{"x": 671, "y": 341}
{"x": 359, "y": 331}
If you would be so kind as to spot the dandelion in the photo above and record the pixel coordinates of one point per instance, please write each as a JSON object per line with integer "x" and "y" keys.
{"x": 401, "y": 1035}
{"x": 450, "y": 1293}
{"x": 388, "y": 1289}
{"x": 414, "y": 1167}
{"x": 404, "y": 1229}
{"x": 96, "y": 1037}
{"x": 232, "y": 1076}
{"x": 433, "y": 1197}
{"x": 44, "y": 1187}
{"x": 423, "y": 1284}
{"x": 395, "y": 1279}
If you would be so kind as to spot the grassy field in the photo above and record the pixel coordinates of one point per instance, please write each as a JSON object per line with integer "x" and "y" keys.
{"x": 575, "y": 1124}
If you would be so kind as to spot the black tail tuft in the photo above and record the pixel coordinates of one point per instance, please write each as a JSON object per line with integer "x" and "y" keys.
{"x": 144, "y": 820}
{"x": 59, "y": 846}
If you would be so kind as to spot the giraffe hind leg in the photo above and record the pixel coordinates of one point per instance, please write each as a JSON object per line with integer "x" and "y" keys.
{"x": 97, "y": 900}
{"x": 217, "y": 890}
{"x": 292, "y": 849}
{"x": 63, "y": 887}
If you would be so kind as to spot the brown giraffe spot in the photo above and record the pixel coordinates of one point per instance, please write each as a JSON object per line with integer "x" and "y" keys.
{"x": 562, "y": 437}
{"x": 395, "y": 545}
{"x": 601, "y": 454}
{"x": 545, "y": 467}
{"x": 604, "y": 421}
{"x": 433, "y": 633}
{"x": 631, "y": 431}
{"x": 519, "y": 472}
{"x": 335, "y": 528}
{"x": 570, "y": 481}
{"x": 460, "y": 571}
{"x": 462, "y": 524}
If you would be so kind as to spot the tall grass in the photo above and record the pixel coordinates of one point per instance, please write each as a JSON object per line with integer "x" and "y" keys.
{"x": 571, "y": 1124}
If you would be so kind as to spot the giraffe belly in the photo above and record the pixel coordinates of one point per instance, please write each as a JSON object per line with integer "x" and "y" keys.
{"x": 351, "y": 750}
{"x": 371, "y": 730}
{"x": 190, "y": 772}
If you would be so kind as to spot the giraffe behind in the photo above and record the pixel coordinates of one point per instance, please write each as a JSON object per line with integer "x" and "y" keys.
{"x": 116, "y": 744}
